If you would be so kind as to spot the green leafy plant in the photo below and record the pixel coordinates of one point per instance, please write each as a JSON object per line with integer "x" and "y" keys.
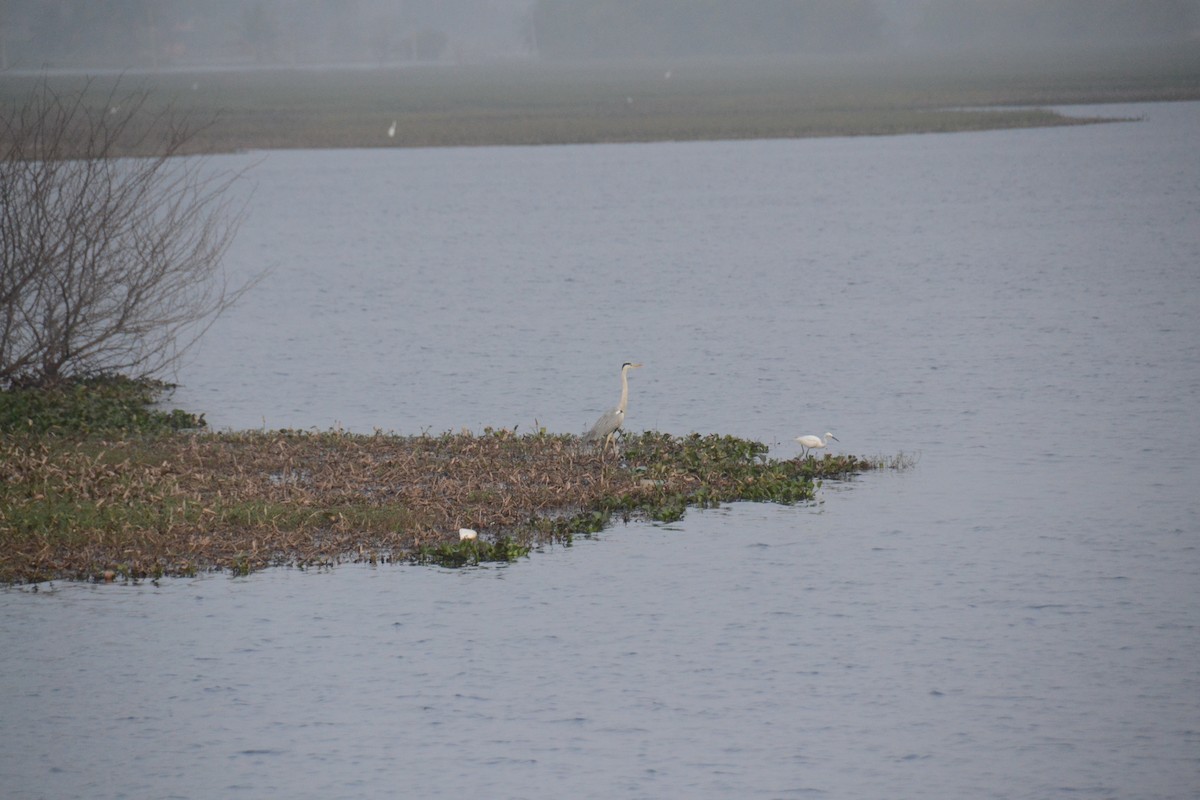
{"x": 94, "y": 404}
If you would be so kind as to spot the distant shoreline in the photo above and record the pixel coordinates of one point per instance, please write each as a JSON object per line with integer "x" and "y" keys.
{"x": 532, "y": 104}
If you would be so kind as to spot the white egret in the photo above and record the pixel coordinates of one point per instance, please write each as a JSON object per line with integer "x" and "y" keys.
{"x": 811, "y": 442}
{"x": 466, "y": 534}
{"x": 611, "y": 421}
{"x": 392, "y": 129}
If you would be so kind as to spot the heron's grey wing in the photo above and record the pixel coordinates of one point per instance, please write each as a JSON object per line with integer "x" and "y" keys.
{"x": 609, "y": 421}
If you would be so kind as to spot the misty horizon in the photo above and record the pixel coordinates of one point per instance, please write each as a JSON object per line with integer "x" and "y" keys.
{"x": 173, "y": 34}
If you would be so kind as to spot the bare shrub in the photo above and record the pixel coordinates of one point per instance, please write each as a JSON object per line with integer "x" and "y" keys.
{"x": 110, "y": 239}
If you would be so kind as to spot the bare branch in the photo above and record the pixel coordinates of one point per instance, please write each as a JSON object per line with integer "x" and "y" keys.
{"x": 108, "y": 262}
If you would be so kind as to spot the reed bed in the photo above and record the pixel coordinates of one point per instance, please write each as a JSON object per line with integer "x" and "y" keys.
{"x": 139, "y": 507}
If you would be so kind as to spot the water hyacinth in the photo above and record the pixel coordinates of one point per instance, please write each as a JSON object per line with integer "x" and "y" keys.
{"x": 147, "y": 505}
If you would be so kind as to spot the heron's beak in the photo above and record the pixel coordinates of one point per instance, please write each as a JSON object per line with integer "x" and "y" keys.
{"x": 831, "y": 436}
{"x": 634, "y": 366}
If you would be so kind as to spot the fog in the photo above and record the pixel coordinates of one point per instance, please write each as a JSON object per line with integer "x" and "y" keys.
{"x": 181, "y": 34}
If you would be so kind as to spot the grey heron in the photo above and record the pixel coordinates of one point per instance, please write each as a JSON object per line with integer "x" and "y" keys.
{"x": 811, "y": 442}
{"x": 611, "y": 421}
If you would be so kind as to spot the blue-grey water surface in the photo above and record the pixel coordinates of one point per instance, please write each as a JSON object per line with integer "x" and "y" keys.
{"x": 1015, "y": 617}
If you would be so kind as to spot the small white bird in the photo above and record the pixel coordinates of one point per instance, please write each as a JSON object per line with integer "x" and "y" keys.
{"x": 466, "y": 534}
{"x": 811, "y": 442}
{"x": 392, "y": 129}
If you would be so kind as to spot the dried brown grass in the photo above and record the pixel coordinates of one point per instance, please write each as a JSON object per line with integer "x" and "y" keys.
{"x": 176, "y": 504}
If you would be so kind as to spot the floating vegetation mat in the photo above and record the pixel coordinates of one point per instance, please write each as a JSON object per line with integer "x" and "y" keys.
{"x": 145, "y": 506}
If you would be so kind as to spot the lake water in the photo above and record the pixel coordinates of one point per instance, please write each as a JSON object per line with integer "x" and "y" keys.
{"x": 1015, "y": 617}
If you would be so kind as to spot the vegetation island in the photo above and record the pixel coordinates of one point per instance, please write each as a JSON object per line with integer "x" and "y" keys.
{"x": 98, "y": 484}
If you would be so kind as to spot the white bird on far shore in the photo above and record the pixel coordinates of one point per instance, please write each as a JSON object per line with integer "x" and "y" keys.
{"x": 466, "y": 534}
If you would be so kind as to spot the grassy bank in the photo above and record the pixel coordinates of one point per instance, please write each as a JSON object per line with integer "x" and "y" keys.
{"x": 142, "y": 500}
{"x": 525, "y": 103}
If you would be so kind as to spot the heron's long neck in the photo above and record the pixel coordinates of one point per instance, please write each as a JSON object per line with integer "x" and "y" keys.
{"x": 624, "y": 390}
